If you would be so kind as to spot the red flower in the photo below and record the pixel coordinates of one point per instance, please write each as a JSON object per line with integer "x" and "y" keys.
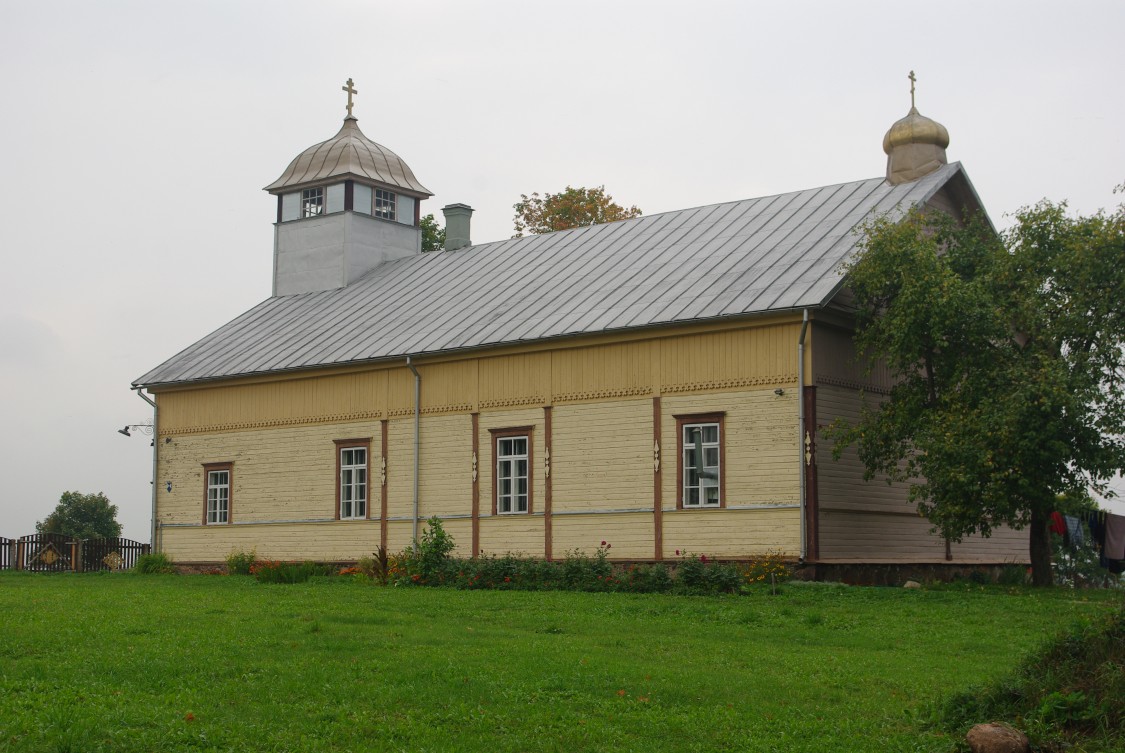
{"x": 603, "y": 543}
{"x": 507, "y": 579}
{"x": 703, "y": 558}
{"x": 677, "y": 552}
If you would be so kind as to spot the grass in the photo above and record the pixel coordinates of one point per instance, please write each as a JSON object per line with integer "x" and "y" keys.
{"x": 93, "y": 663}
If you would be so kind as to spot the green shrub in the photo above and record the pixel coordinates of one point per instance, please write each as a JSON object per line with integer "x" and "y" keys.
{"x": 287, "y": 572}
{"x": 1071, "y": 689}
{"x": 434, "y": 548}
{"x": 239, "y": 563}
{"x": 157, "y": 563}
{"x": 702, "y": 575}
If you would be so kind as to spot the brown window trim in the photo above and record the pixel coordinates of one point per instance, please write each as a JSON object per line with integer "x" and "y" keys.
{"x": 229, "y": 468}
{"x": 514, "y": 431}
{"x": 701, "y": 418}
{"x": 344, "y": 444}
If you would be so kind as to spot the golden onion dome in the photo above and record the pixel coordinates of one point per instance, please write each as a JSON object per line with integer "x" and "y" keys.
{"x": 915, "y": 128}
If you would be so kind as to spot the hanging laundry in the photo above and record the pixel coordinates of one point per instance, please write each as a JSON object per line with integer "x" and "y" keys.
{"x": 1075, "y": 531}
{"x": 1058, "y": 525}
{"x": 1114, "y": 537}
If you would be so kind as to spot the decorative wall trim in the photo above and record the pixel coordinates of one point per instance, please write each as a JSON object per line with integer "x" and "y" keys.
{"x": 274, "y": 422}
{"x": 853, "y": 385}
{"x": 461, "y": 408}
{"x": 509, "y": 401}
{"x": 719, "y": 384}
{"x": 567, "y": 397}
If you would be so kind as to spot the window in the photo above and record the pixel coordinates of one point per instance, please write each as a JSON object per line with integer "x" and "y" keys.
{"x": 216, "y": 501}
{"x": 701, "y": 460}
{"x": 511, "y": 493}
{"x": 312, "y": 202}
{"x": 351, "y": 487}
{"x": 384, "y": 204}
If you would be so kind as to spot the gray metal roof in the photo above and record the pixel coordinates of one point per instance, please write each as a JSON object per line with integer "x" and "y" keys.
{"x": 742, "y": 258}
{"x": 348, "y": 154}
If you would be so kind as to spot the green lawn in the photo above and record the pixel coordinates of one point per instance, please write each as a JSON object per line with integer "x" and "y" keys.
{"x": 172, "y": 663}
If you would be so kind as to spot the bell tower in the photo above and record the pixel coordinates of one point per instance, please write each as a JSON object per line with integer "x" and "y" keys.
{"x": 344, "y": 206}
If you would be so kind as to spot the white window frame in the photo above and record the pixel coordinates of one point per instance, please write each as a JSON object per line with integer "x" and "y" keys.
{"x": 508, "y": 460}
{"x": 312, "y": 202}
{"x": 385, "y": 204}
{"x": 218, "y": 495}
{"x": 353, "y": 482}
{"x": 694, "y": 440}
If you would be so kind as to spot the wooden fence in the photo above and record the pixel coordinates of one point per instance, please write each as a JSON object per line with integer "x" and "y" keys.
{"x": 56, "y": 553}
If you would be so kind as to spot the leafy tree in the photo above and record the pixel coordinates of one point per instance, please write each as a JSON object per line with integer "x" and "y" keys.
{"x": 433, "y": 235}
{"x": 1007, "y": 353}
{"x": 573, "y": 207}
{"x": 84, "y": 516}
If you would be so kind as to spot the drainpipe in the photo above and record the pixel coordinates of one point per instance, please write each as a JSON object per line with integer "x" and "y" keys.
{"x": 801, "y": 430}
{"x": 417, "y": 407}
{"x": 155, "y": 450}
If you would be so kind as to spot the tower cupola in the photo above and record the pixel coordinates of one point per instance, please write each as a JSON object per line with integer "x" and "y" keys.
{"x": 915, "y": 145}
{"x": 344, "y": 206}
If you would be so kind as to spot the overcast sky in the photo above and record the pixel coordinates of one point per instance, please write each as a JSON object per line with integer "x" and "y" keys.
{"x": 138, "y": 135}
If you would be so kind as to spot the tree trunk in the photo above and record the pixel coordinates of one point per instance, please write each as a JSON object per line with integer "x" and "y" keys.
{"x": 1040, "y": 545}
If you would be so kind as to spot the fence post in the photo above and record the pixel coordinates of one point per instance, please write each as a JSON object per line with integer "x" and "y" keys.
{"x": 19, "y": 554}
{"x": 75, "y": 554}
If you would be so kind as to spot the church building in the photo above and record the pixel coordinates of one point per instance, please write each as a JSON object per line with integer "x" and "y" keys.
{"x": 658, "y": 383}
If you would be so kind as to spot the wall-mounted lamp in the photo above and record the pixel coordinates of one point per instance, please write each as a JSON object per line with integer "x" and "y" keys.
{"x": 168, "y": 486}
{"x": 779, "y": 392}
{"x": 145, "y": 429}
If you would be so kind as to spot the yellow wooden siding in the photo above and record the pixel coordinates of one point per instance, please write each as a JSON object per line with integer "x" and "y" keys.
{"x": 629, "y": 534}
{"x": 342, "y": 397}
{"x": 486, "y": 460}
{"x": 517, "y": 534}
{"x": 400, "y": 534}
{"x": 601, "y": 371}
{"x": 445, "y": 465}
{"x": 400, "y": 468}
{"x": 732, "y": 533}
{"x": 760, "y": 445}
{"x": 327, "y": 542}
{"x": 735, "y": 358}
{"x": 506, "y": 381}
{"x": 287, "y": 473}
{"x": 685, "y": 360}
{"x": 601, "y": 456}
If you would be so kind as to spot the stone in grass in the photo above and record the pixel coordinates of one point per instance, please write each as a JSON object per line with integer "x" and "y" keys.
{"x": 997, "y": 738}
{"x": 911, "y": 584}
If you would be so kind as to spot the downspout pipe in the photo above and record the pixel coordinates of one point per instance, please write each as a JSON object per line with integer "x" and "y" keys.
{"x": 801, "y": 432}
{"x": 417, "y": 427}
{"x": 155, "y": 450}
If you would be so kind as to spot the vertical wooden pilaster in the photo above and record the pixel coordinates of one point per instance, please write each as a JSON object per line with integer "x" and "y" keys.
{"x": 383, "y": 463}
{"x": 657, "y": 484}
{"x": 808, "y": 452}
{"x": 547, "y": 532}
{"x": 476, "y": 484}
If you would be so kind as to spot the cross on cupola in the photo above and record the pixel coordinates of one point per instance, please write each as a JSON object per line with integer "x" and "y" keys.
{"x": 350, "y": 89}
{"x": 911, "y": 77}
